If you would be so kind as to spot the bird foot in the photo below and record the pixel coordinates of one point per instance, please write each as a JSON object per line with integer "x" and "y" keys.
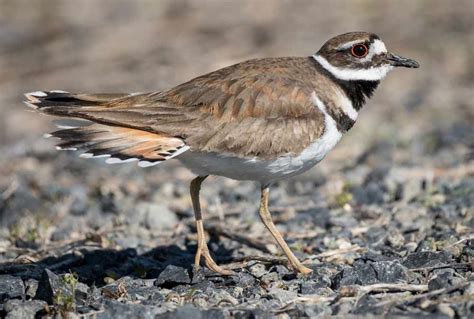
{"x": 302, "y": 269}
{"x": 203, "y": 251}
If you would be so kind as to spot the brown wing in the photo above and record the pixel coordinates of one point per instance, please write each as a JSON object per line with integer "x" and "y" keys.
{"x": 259, "y": 107}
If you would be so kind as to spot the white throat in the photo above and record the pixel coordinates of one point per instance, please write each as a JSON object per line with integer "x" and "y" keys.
{"x": 371, "y": 74}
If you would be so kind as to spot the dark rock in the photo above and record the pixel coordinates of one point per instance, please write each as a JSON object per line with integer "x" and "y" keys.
{"x": 81, "y": 292}
{"x": 281, "y": 270}
{"x": 371, "y": 273}
{"x": 172, "y": 276}
{"x": 317, "y": 280}
{"x": 426, "y": 259}
{"x": 372, "y": 193}
{"x": 372, "y": 256}
{"x": 49, "y": 285}
{"x": 390, "y": 271}
{"x": 198, "y": 274}
{"x": 443, "y": 278}
{"x": 244, "y": 279}
{"x": 426, "y": 245}
{"x": 11, "y": 287}
{"x": 361, "y": 274}
{"x": 17, "y": 309}
{"x": 147, "y": 295}
{"x": 190, "y": 311}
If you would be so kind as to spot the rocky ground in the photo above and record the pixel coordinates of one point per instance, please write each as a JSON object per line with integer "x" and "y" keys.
{"x": 386, "y": 221}
{"x": 396, "y": 238}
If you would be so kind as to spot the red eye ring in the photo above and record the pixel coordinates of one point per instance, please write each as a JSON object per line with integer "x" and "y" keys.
{"x": 359, "y": 50}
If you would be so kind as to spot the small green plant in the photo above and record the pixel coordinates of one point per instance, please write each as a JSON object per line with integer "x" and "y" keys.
{"x": 345, "y": 196}
{"x": 65, "y": 299}
{"x": 31, "y": 229}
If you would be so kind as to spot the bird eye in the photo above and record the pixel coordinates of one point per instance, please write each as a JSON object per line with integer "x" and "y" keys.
{"x": 359, "y": 50}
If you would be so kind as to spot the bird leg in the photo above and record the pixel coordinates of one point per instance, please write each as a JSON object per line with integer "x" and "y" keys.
{"x": 203, "y": 250}
{"x": 268, "y": 222}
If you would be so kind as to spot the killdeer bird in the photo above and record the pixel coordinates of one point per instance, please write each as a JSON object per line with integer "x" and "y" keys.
{"x": 262, "y": 120}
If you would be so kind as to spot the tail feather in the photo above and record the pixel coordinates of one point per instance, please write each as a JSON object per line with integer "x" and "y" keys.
{"x": 102, "y": 136}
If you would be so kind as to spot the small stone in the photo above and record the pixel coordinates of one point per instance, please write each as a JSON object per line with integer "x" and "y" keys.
{"x": 390, "y": 271}
{"x": 173, "y": 275}
{"x": 154, "y": 216}
{"x": 281, "y": 270}
{"x": 31, "y": 287}
{"x": 244, "y": 279}
{"x": 443, "y": 278}
{"x": 198, "y": 274}
{"x": 316, "y": 281}
{"x": 11, "y": 287}
{"x": 361, "y": 274}
{"x": 426, "y": 259}
{"x": 426, "y": 245}
{"x": 370, "y": 273}
{"x": 147, "y": 295}
{"x": 257, "y": 269}
{"x": 395, "y": 238}
{"x": 269, "y": 278}
{"x": 18, "y": 309}
{"x": 282, "y": 295}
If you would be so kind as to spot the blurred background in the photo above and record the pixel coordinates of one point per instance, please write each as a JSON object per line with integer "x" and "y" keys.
{"x": 420, "y": 118}
{"x": 115, "y": 46}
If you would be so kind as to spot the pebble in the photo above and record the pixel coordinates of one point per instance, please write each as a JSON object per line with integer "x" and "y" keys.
{"x": 173, "y": 275}
{"x": 11, "y": 287}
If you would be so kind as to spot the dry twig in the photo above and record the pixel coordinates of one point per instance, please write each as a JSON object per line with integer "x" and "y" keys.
{"x": 350, "y": 291}
{"x": 430, "y": 294}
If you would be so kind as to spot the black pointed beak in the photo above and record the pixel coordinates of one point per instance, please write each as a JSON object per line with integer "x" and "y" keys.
{"x": 397, "y": 60}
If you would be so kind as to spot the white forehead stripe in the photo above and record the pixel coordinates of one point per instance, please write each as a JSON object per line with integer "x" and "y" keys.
{"x": 370, "y": 74}
{"x": 378, "y": 47}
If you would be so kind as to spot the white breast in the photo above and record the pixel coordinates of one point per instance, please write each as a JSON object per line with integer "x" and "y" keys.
{"x": 266, "y": 171}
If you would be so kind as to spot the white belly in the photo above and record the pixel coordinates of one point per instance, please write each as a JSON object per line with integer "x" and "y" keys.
{"x": 265, "y": 171}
